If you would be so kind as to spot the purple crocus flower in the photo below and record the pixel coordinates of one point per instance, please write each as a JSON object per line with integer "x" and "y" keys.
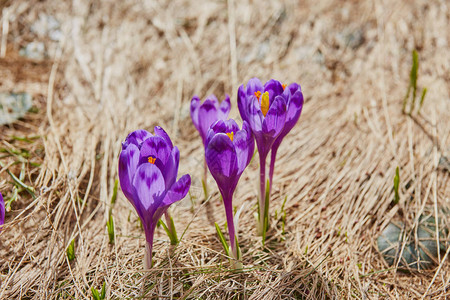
{"x": 148, "y": 167}
{"x": 228, "y": 152}
{"x": 264, "y": 108}
{"x": 205, "y": 114}
{"x": 294, "y": 101}
{"x": 2, "y": 211}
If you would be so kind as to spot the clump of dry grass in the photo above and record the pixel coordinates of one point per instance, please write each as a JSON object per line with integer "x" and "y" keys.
{"x": 123, "y": 66}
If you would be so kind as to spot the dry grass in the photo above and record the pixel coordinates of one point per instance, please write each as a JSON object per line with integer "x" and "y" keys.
{"x": 124, "y": 65}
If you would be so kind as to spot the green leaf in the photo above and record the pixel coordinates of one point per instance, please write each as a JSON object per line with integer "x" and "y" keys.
{"x": 205, "y": 189}
{"x": 114, "y": 195}
{"x": 19, "y": 183}
{"x": 284, "y": 202}
{"x": 254, "y": 154}
{"x": 103, "y": 292}
{"x": 222, "y": 239}
{"x": 422, "y": 98}
{"x": 71, "y": 250}
{"x": 413, "y": 78}
{"x": 412, "y": 82}
{"x": 396, "y": 185}
{"x": 172, "y": 235}
{"x": 110, "y": 226}
{"x": 95, "y": 294}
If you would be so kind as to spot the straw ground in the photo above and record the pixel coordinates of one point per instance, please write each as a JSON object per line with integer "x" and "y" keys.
{"x": 122, "y": 65}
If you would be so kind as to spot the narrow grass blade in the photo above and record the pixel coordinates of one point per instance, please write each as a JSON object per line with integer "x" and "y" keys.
{"x": 71, "y": 251}
{"x": 114, "y": 195}
{"x": 103, "y": 292}
{"x": 172, "y": 236}
{"x": 110, "y": 226}
{"x": 18, "y": 182}
{"x": 205, "y": 189}
{"x": 222, "y": 239}
{"x": 422, "y": 98}
{"x": 413, "y": 78}
{"x": 396, "y": 185}
{"x": 95, "y": 294}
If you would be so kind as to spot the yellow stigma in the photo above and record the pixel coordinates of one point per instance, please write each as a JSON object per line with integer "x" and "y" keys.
{"x": 151, "y": 160}
{"x": 258, "y": 94}
{"x": 230, "y": 135}
{"x": 284, "y": 86}
{"x": 265, "y": 103}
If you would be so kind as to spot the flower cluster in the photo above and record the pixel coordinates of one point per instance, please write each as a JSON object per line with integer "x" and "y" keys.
{"x": 148, "y": 163}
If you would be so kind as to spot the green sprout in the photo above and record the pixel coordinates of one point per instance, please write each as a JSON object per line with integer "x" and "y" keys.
{"x": 222, "y": 239}
{"x": 114, "y": 195}
{"x": 424, "y": 92}
{"x": 110, "y": 226}
{"x": 396, "y": 185}
{"x": 71, "y": 251}
{"x": 99, "y": 296}
{"x": 413, "y": 75}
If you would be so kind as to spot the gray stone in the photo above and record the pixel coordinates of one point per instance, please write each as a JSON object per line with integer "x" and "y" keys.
{"x": 13, "y": 106}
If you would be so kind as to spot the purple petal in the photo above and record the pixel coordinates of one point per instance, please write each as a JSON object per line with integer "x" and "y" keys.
{"x": 224, "y": 108}
{"x": 225, "y": 126}
{"x": 150, "y": 189}
{"x": 207, "y": 115}
{"x": 293, "y": 113}
{"x": 276, "y": 116}
{"x": 2, "y": 211}
{"x": 294, "y": 110}
{"x": 222, "y": 161}
{"x": 221, "y": 126}
{"x": 160, "y": 132}
{"x": 213, "y": 99}
{"x": 244, "y": 145}
{"x": 178, "y": 190}
{"x": 156, "y": 147}
{"x": 136, "y": 138}
{"x": 128, "y": 162}
{"x": 242, "y": 102}
{"x": 195, "y": 105}
{"x": 293, "y": 87}
{"x": 274, "y": 88}
{"x": 254, "y": 114}
{"x": 253, "y": 86}
{"x": 170, "y": 170}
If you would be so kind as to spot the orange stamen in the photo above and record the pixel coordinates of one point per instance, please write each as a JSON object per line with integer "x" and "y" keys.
{"x": 151, "y": 160}
{"x": 230, "y": 135}
{"x": 284, "y": 86}
{"x": 258, "y": 94}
